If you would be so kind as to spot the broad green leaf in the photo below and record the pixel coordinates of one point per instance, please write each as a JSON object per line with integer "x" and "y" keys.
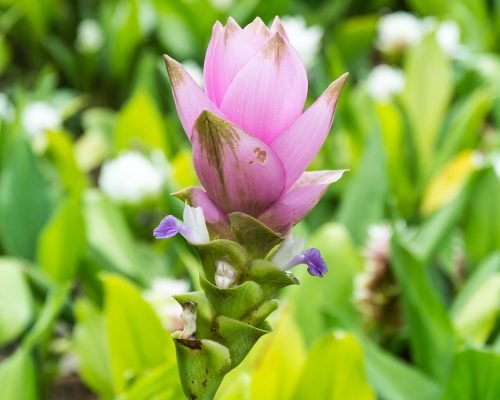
{"x": 109, "y": 237}
{"x": 237, "y": 388}
{"x": 466, "y": 120}
{"x": 62, "y": 242}
{"x": 135, "y": 338}
{"x": 280, "y": 357}
{"x": 60, "y": 148}
{"x": 393, "y": 379}
{"x": 432, "y": 339}
{"x": 392, "y": 130}
{"x": 426, "y": 95}
{"x": 24, "y": 202}
{"x": 18, "y": 377}
{"x": 474, "y": 376}
{"x": 476, "y": 307}
{"x": 448, "y": 182}
{"x": 370, "y": 182}
{"x": 160, "y": 383}
{"x": 140, "y": 125}
{"x": 51, "y": 309}
{"x": 16, "y": 303}
{"x": 482, "y": 224}
{"x": 436, "y": 229}
{"x": 89, "y": 343}
{"x": 334, "y": 370}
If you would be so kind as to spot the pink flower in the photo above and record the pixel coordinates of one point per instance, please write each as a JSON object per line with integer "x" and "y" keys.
{"x": 252, "y": 140}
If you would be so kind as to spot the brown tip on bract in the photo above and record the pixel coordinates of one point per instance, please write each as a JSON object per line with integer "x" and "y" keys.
{"x": 277, "y": 26}
{"x": 276, "y": 48}
{"x": 335, "y": 88}
{"x": 174, "y": 70}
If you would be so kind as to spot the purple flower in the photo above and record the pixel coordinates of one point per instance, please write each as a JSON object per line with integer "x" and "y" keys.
{"x": 290, "y": 254}
{"x": 194, "y": 228}
{"x": 316, "y": 264}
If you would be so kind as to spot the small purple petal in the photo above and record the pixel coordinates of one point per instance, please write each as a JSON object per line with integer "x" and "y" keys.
{"x": 169, "y": 226}
{"x": 316, "y": 263}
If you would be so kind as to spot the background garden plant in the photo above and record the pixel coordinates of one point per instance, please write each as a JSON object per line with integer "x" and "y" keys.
{"x": 85, "y": 290}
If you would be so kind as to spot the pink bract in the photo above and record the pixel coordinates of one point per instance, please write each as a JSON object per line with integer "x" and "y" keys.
{"x": 252, "y": 140}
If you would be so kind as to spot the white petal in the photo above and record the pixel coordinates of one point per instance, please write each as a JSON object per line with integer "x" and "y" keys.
{"x": 291, "y": 247}
{"x": 194, "y": 220}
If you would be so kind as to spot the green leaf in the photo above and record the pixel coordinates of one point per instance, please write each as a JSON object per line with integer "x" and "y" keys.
{"x": 432, "y": 339}
{"x": 221, "y": 249}
{"x": 474, "y": 376}
{"x": 233, "y": 302}
{"x": 270, "y": 277}
{"x": 24, "y": 203}
{"x": 334, "y": 370}
{"x": 482, "y": 224}
{"x": 140, "y": 125}
{"x": 331, "y": 294}
{"x": 436, "y": 229}
{"x": 62, "y": 242}
{"x": 202, "y": 365}
{"x": 257, "y": 238}
{"x": 129, "y": 320}
{"x": 205, "y": 313}
{"x": 427, "y": 94}
{"x": 18, "y": 377}
{"x": 238, "y": 337}
{"x": 52, "y": 307}
{"x": 475, "y": 309}
{"x": 109, "y": 237}
{"x": 280, "y": 357}
{"x": 370, "y": 182}
{"x": 89, "y": 342}
{"x": 16, "y": 303}
{"x": 160, "y": 383}
{"x": 393, "y": 379}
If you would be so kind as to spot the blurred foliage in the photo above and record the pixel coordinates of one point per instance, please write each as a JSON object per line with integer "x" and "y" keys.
{"x": 75, "y": 263}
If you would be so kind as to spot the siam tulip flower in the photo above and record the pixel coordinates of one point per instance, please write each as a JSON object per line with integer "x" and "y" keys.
{"x": 251, "y": 139}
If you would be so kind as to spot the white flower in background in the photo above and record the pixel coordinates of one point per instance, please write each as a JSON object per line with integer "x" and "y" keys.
{"x": 89, "y": 37}
{"x": 398, "y": 31}
{"x": 495, "y": 162}
{"x": 448, "y": 37}
{"x": 160, "y": 297}
{"x": 384, "y": 81}
{"x": 130, "y": 178}
{"x": 195, "y": 71}
{"x": 38, "y": 117}
{"x": 6, "y": 108}
{"x": 305, "y": 40}
{"x": 379, "y": 242}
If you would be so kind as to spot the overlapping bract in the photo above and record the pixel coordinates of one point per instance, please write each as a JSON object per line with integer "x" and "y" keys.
{"x": 251, "y": 139}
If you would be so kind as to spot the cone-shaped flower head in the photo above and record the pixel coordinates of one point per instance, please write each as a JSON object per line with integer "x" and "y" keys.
{"x": 252, "y": 139}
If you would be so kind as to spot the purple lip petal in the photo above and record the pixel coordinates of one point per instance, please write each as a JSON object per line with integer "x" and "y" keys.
{"x": 316, "y": 263}
{"x": 169, "y": 226}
